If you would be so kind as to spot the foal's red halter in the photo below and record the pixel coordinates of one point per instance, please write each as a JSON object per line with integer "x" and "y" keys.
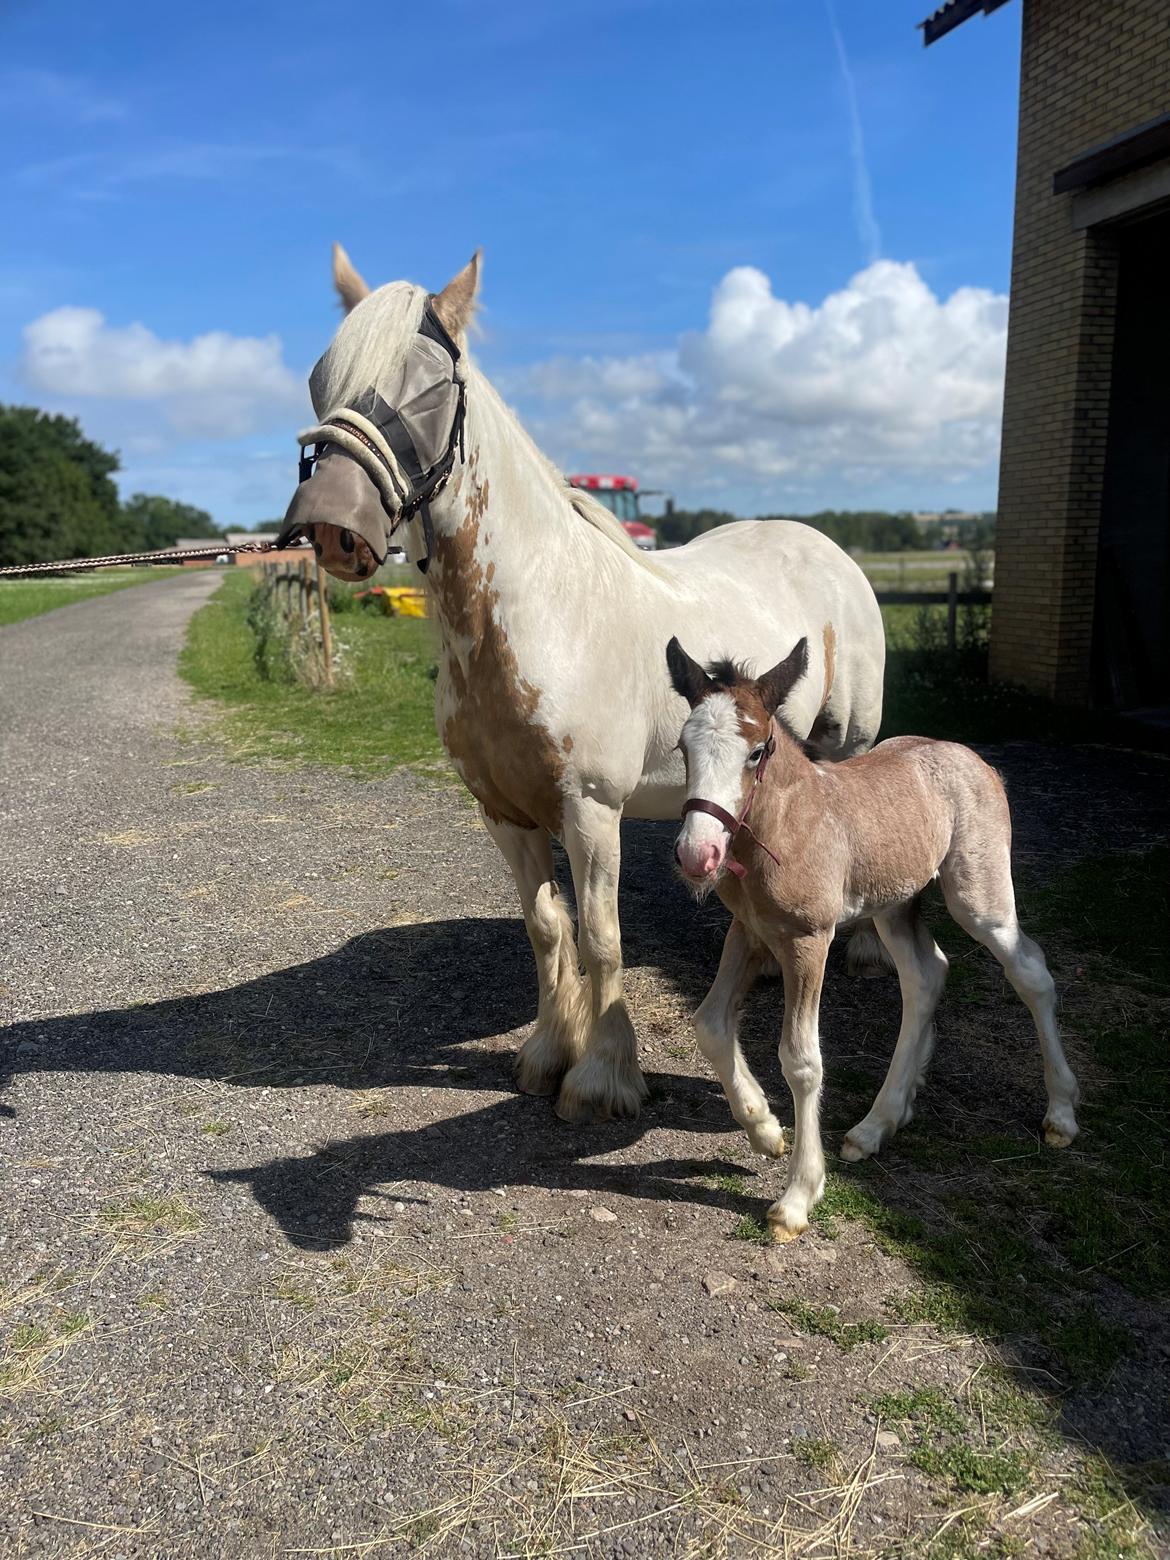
{"x": 734, "y": 825}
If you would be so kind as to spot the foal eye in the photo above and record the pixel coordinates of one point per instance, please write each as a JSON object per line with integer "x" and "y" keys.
{"x": 756, "y": 754}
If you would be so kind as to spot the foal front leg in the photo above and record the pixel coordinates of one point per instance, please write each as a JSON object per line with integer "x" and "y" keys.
{"x": 607, "y": 1081}
{"x": 716, "y": 1032}
{"x": 562, "y": 1014}
{"x": 802, "y": 961}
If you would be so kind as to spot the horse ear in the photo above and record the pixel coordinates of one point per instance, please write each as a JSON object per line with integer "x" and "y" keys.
{"x": 455, "y": 305}
{"x": 687, "y": 676}
{"x": 775, "y": 686}
{"x": 351, "y": 287}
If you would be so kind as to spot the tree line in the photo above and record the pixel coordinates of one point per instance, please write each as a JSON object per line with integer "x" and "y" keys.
{"x": 58, "y": 498}
{"x": 857, "y": 530}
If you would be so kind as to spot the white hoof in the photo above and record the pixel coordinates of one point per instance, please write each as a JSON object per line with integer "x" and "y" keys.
{"x": 600, "y": 1089}
{"x": 864, "y": 1139}
{"x": 785, "y": 1224}
{"x": 767, "y": 1137}
{"x": 1060, "y": 1128}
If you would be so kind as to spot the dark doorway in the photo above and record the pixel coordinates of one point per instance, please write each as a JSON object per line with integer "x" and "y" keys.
{"x": 1131, "y": 638}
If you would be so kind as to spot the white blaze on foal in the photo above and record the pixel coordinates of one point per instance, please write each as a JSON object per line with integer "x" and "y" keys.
{"x": 796, "y": 848}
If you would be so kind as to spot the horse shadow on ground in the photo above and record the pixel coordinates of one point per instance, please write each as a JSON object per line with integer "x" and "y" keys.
{"x": 442, "y": 1005}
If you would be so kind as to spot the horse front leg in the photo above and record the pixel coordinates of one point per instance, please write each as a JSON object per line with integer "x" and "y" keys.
{"x": 562, "y": 1015}
{"x": 607, "y": 1081}
{"x": 802, "y": 960}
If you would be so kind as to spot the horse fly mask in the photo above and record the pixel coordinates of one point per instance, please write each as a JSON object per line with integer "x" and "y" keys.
{"x": 378, "y": 461}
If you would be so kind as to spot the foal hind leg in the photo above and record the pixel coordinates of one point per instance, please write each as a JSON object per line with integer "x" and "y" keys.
{"x": 922, "y": 973}
{"x": 562, "y": 1014}
{"x": 716, "y": 1023}
{"x": 981, "y": 898}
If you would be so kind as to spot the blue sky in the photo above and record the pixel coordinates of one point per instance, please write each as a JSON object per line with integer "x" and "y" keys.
{"x": 666, "y": 192}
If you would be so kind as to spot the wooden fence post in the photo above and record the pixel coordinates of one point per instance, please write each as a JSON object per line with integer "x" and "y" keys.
{"x": 952, "y": 608}
{"x": 326, "y": 630}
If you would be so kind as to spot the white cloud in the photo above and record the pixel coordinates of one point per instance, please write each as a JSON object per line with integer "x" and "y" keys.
{"x": 880, "y": 380}
{"x": 216, "y": 385}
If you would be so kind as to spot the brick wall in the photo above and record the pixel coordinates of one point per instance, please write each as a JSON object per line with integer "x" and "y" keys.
{"x": 1090, "y": 70}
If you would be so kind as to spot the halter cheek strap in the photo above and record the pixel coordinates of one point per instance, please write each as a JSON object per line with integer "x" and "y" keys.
{"x": 734, "y": 825}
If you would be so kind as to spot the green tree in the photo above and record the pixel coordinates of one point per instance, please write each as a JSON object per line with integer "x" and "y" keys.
{"x": 57, "y": 494}
{"x": 152, "y": 522}
{"x": 682, "y": 524}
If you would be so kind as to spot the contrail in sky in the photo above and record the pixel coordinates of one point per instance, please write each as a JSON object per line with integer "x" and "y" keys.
{"x": 867, "y": 227}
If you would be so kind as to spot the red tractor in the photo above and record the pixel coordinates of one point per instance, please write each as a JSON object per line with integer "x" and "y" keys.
{"x": 620, "y": 497}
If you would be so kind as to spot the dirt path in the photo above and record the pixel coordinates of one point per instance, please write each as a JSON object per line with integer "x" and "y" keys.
{"x": 287, "y": 1266}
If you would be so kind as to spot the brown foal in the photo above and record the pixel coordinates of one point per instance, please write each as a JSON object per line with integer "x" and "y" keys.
{"x": 795, "y": 849}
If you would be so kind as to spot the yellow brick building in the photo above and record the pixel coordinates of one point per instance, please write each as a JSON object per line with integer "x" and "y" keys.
{"x": 1082, "y": 578}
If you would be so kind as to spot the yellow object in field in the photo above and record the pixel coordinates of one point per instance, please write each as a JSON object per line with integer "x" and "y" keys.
{"x": 406, "y": 601}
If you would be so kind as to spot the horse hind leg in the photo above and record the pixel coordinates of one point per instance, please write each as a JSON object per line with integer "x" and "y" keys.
{"x": 562, "y": 1015}
{"x": 922, "y": 973}
{"x": 981, "y": 898}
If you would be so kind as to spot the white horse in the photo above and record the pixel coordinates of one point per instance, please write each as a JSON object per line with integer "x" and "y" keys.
{"x": 552, "y": 700}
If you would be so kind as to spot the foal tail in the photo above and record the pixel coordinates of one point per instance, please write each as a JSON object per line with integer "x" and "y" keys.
{"x": 866, "y": 955}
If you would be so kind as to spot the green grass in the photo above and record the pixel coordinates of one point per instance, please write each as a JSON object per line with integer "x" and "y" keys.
{"x": 1015, "y": 1243}
{"x": 380, "y": 715}
{"x": 824, "y": 1321}
{"x": 21, "y": 599}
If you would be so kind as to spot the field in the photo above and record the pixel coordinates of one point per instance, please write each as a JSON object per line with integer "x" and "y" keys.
{"x": 21, "y": 599}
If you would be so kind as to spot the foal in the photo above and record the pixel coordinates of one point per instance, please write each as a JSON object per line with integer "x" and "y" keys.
{"x": 825, "y": 845}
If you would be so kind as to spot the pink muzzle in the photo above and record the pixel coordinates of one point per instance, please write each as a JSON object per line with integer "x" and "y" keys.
{"x": 709, "y": 864}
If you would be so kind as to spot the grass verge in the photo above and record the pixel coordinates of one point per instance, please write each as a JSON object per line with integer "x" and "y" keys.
{"x": 380, "y": 715}
{"x": 20, "y": 599}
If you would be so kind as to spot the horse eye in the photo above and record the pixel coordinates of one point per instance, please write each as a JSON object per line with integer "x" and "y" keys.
{"x": 756, "y": 754}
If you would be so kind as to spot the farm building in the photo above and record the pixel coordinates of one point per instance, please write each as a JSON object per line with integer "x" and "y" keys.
{"x": 1083, "y": 538}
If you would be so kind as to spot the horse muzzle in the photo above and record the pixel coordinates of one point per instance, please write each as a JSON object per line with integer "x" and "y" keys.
{"x": 340, "y": 511}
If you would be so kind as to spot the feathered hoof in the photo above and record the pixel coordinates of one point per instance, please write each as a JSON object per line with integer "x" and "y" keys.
{"x": 784, "y": 1226}
{"x": 767, "y": 1137}
{"x": 1059, "y": 1133}
{"x": 539, "y": 1069}
{"x": 598, "y": 1089}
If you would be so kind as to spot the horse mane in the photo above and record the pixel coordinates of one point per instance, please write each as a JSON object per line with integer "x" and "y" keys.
{"x": 371, "y": 342}
{"x": 730, "y": 674}
{"x": 581, "y": 503}
{"x": 601, "y": 519}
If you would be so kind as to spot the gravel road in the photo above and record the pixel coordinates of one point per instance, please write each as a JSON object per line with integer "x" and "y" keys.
{"x": 287, "y": 1265}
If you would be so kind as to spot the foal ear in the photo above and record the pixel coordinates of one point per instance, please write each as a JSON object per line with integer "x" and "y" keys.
{"x": 455, "y": 305}
{"x": 351, "y": 287}
{"x": 687, "y": 676}
{"x": 775, "y": 686}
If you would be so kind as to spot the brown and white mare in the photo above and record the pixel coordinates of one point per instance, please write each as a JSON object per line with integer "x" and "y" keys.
{"x": 550, "y": 699}
{"x": 796, "y": 849}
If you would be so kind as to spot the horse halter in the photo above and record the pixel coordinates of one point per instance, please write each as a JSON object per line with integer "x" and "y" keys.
{"x": 406, "y": 450}
{"x": 734, "y": 825}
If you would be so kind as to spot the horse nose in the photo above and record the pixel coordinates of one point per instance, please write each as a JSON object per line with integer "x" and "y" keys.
{"x": 698, "y": 858}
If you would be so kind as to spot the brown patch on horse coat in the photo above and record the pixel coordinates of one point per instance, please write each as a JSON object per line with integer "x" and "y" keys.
{"x": 830, "y": 639}
{"x": 507, "y": 759}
